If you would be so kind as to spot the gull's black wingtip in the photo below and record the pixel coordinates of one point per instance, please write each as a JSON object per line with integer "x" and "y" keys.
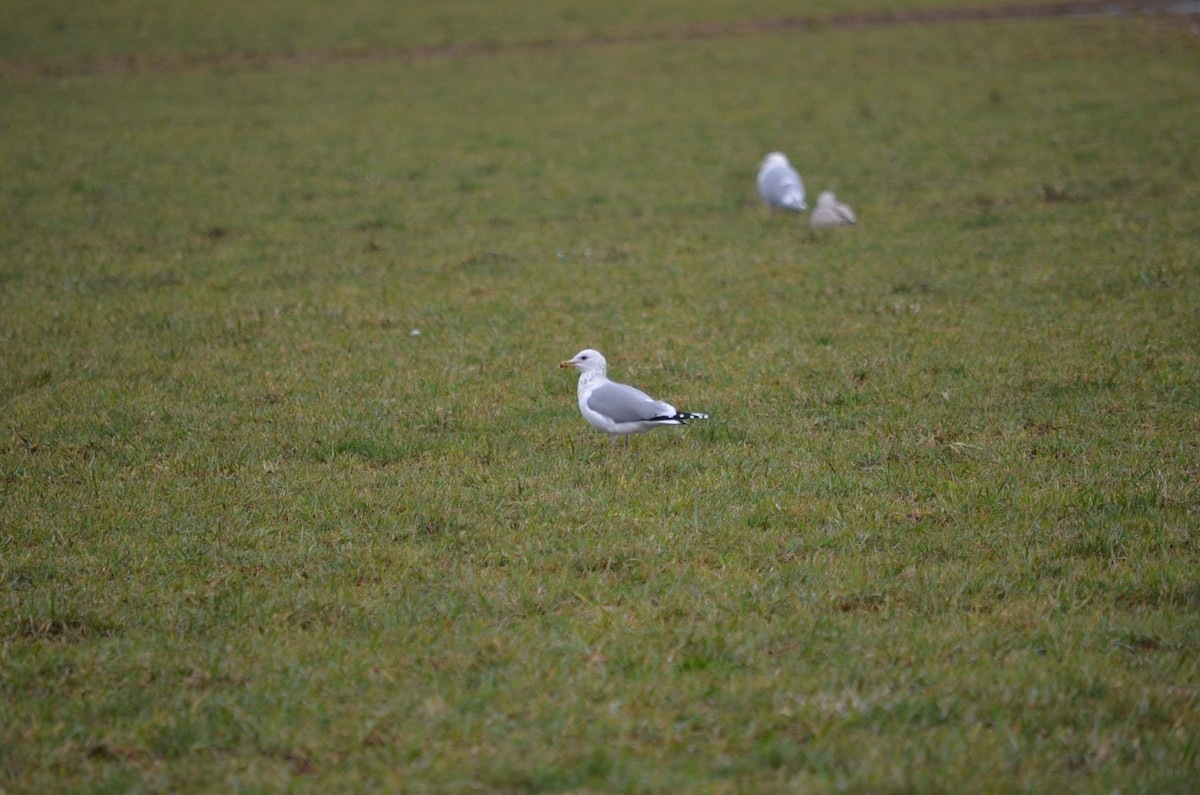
{"x": 684, "y": 416}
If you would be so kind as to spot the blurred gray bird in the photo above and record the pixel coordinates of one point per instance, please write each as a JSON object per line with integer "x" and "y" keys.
{"x": 779, "y": 185}
{"x": 831, "y": 212}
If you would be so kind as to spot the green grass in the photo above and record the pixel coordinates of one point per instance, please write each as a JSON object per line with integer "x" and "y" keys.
{"x": 939, "y": 535}
{"x": 121, "y": 28}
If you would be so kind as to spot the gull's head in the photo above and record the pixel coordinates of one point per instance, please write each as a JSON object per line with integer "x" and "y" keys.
{"x": 775, "y": 159}
{"x": 826, "y": 199}
{"x": 587, "y": 361}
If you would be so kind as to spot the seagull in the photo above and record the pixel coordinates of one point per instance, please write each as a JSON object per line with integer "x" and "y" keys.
{"x": 617, "y": 409}
{"x": 779, "y": 184}
{"x": 831, "y": 212}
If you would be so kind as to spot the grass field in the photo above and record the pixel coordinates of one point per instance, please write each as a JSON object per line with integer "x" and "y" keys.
{"x": 940, "y": 534}
{"x": 73, "y": 29}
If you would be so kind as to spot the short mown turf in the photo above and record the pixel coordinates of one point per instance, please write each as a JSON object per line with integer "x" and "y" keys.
{"x": 293, "y": 495}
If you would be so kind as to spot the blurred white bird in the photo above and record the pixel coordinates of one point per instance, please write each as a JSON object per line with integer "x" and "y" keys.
{"x": 831, "y": 212}
{"x": 617, "y": 409}
{"x": 779, "y": 184}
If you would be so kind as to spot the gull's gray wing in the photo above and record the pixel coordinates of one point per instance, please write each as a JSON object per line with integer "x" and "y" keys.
{"x": 781, "y": 186}
{"x": 839, "y": 215}
{"x": 622, "y": 403}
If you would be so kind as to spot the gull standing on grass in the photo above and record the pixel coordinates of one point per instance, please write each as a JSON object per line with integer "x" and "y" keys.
{"x": 779, "y": 184}
{"x": 617, "y": 409}
{"x": 831, "y": 212}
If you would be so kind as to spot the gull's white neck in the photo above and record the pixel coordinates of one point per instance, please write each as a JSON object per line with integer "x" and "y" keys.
{"x": 591, "y": 378}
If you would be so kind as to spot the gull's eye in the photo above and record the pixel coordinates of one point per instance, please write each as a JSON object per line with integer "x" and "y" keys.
{"x": 582, "y": 357}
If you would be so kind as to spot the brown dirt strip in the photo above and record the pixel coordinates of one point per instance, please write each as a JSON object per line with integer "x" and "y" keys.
{"x": 63, "y": 67}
